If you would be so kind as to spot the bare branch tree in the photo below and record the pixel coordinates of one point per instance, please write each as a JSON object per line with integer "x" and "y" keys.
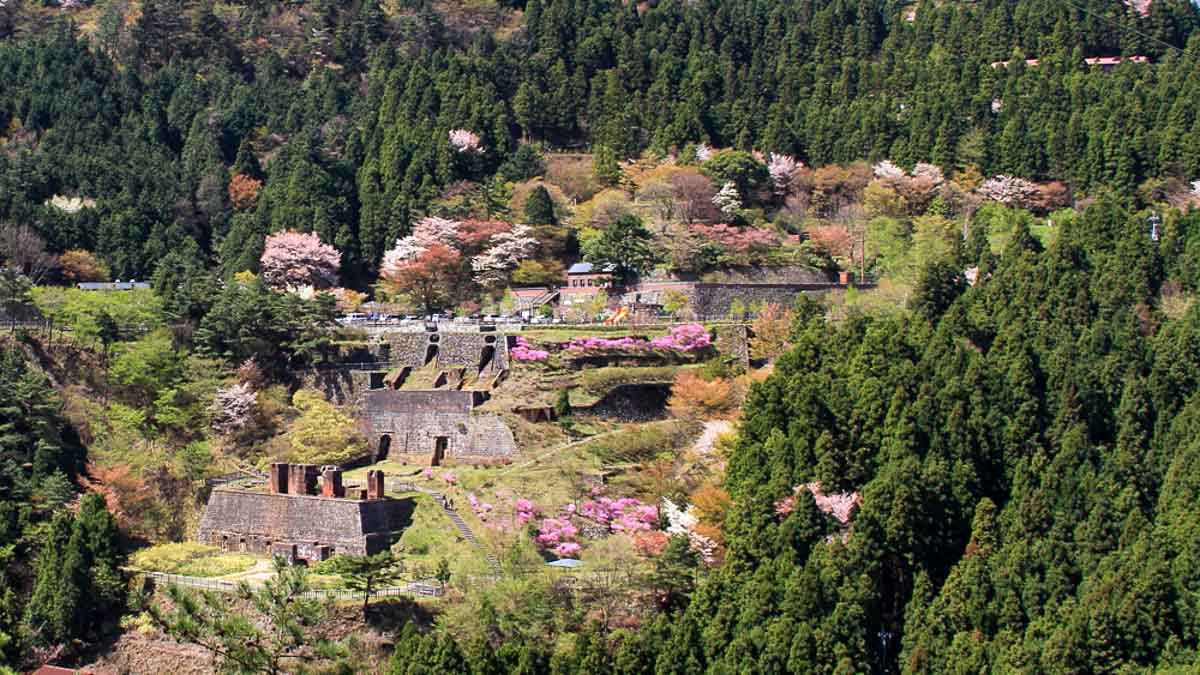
{"x": 23, "y": 248}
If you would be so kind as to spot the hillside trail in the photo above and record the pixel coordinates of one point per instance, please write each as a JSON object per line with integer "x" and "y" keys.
{"x": 555, "y": 450}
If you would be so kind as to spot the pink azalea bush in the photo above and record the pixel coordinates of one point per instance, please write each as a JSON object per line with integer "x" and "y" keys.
{"x": 626, "y": 514}
{"x": 427, "y": 474}
{"x": 524, "y": 352}
{"x": 450, "y": 478}
{"x": 554, "y": 533}
{"x": 685, "y": 338}
{"x": 525, "y": 510}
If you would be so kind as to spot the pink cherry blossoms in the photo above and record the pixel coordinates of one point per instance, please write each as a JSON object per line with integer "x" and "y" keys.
{"x": 428, "y": 232}
{"x": 293, "y": 259}
{"x": 464, "y": 141}
{"x": 1008, "y": 190}
{"x": 522, "y": 351}
{"x": 781, "y": 169}
{"x": 838, "y": 505}
{"x": 482, "y": 509}
{"x": 450, "y": 478}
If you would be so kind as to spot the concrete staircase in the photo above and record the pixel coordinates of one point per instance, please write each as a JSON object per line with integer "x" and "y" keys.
{"x": 465, "y": 530}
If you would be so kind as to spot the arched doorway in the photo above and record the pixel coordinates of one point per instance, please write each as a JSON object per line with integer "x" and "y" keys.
{"x": 431, "y": 353}
{"x": 385, "y": 445}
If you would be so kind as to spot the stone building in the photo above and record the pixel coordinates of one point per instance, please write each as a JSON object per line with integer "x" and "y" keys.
{"x": 294, "y": 520}
{"x": 436, "y": 427}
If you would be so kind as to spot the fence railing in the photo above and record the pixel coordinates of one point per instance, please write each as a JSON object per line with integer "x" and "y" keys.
{"x": 424, "y": 587}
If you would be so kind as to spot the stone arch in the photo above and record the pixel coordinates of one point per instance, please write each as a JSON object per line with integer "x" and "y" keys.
{"x": 385, "y": 447}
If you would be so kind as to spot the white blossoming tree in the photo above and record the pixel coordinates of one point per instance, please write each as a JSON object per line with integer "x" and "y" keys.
{"x": 505, "y": 251}
{"x": 233, "y": 407}
{"x": 1008, "y": 190}
{"x": 728, "y": 200}
{"x": 464, "y": 141}
{"x": 781, "y": 168}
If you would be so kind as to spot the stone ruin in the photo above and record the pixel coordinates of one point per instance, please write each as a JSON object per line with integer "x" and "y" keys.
{"x": 436, "y": 427}
{"x": 295, "y": 520}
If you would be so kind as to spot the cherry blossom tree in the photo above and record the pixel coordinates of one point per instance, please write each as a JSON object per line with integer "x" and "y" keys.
{"x": 293, "y": 259}
{"x": 233, "y": 407}
{"x": 505, "y": 252}
{"x": 1008, "y": 190}
{"x": 781, "y": 169}
{"x": 428, "y": 231}
{"x": 703, "y": 152}
{"x": 430, "y": 278}
{"x": 464, "y": 141}
{"x": 887, "y": 171}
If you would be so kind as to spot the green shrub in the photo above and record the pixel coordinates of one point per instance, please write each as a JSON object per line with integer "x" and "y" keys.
{"x": 600, "y": 381}
{"x": 643, "y": 442}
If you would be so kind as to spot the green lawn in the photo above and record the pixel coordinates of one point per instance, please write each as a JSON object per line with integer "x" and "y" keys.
{"x": 191, "y": 559}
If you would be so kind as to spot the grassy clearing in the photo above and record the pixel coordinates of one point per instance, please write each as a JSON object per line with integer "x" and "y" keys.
{"x": 599, "y": 381}
{"x": 642, "y": 442}
{"x": 191, "y": 559}
{"x": 432, "y": 537}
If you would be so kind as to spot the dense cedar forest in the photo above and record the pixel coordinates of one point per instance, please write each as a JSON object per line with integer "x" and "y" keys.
{"x": 1026, "y": 445}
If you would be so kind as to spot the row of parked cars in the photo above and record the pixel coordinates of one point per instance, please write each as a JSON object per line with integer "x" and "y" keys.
{"x": 397, "y": 320}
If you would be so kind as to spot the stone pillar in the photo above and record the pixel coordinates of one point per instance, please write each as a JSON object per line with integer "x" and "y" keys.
{"x": 331, "y": 483}
{"x": 375, "y": 484}
{"x": 302, "y": 479}
{"x": 277, "y": 482}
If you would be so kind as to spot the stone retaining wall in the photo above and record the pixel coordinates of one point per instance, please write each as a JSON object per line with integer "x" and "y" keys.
{"x": 307, "y": 527}
{"x": 436, "y": 427}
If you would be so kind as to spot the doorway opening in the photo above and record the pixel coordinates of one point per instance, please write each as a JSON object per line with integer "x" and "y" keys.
{"x": 440, "y": 443}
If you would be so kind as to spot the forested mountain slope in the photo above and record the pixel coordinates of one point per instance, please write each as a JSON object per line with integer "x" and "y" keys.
{"x": 345, "y": 116}
{"x": 1024, "y": 446}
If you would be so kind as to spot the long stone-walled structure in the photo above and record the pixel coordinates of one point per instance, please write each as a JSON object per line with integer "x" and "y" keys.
{"x": 436, "y": 427}
{"x": 304, "y": 526}
{"x": 714, "y": 300}
{"x": 484, "y": 354}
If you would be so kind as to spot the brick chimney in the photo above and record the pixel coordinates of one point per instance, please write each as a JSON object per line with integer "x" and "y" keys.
{"x": 375, "y": 484}
{"x": 277, "y": 481}
{"x": 331, "y": 483}
{"x": 302, "y": 479}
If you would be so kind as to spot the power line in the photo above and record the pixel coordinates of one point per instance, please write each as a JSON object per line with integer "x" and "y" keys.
{"x": 1120, "y": 27}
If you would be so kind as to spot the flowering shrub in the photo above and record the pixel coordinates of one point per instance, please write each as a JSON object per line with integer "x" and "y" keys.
{"x": 450, "y": 478}
{"x": 525, "y": 510}
{"x": 558, "y": 535}
{"x": 482, "y": 509}
{"x": 684, "y": 338}
{"x": 626, "y": 514}
{"x": 427, "y": 474}
{"x": 524, "y": 352}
